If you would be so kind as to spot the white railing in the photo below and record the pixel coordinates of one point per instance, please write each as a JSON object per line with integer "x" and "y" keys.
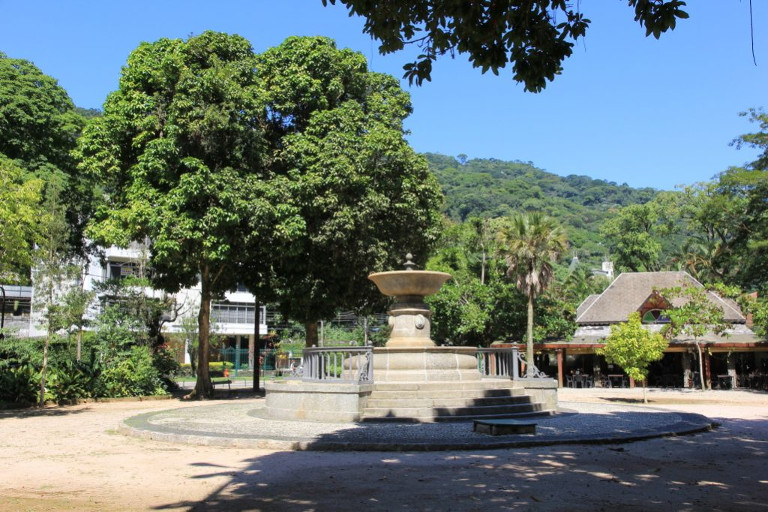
{"x": 339, "y": 364}
{"x": 504, "y": 363}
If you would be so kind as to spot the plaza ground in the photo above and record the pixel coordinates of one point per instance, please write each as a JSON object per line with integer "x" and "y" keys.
{"x": 72, "y": 458}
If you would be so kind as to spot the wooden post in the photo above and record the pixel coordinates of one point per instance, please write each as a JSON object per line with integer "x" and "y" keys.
{"x": 559, "y": 353}
{"x": 256, "y": 336}
{"x": 251, "y": 350}
{"x": 707, "y": 369}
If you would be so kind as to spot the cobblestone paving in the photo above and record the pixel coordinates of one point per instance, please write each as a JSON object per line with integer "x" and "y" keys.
{"x": 242, "y": 424}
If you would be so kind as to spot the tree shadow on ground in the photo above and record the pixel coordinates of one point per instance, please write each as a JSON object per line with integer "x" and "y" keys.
{"x": 31, "y": 412}
{"x": 718, "y": 470}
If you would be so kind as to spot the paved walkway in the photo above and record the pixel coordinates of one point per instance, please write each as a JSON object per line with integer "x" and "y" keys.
{"x": 244, "y": 425}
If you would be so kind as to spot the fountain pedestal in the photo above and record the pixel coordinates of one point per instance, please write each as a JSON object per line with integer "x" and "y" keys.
{"x": 413, "y": 379}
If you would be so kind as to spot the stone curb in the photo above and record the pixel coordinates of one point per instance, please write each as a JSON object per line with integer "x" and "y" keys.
{"x": 140, "y": 427}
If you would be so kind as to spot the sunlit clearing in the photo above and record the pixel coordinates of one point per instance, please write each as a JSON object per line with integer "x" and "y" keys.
{"x": 554, "y": 463}
{"x": 391, "y": 461}
{"x": 713, "y": 484}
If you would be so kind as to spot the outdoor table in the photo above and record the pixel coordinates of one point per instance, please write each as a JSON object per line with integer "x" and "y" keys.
{"x": 581, "y": 380}
{"x": 614, "y": 378}
{"x": 725, "y": 381}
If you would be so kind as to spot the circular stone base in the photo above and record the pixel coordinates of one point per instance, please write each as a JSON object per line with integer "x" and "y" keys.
{"x": 422, "y": 364}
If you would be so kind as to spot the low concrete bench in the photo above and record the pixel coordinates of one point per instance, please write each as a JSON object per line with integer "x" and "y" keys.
{"x": 504, "y": 426}
{"x": 228, "y": 382}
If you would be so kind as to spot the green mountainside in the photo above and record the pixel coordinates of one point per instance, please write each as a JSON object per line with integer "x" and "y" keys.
{"x": 494, "y": 188}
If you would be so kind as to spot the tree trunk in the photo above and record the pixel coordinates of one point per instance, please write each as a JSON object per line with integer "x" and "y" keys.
{"x": 701, "y": 365}
{"x": 311, "y": 333}
{"x": 43, "y": 371}
{"x": 482, "y": 267}
{"x": 78, "y": 356}
{"x": 203, "y": 387}
{"x": 255, "y": 353}
{"x": 529, "y": 342}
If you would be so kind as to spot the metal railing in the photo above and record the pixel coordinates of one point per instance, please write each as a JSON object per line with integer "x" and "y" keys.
{"x": 339, "y": 364}
{"x": 504, "y": 363}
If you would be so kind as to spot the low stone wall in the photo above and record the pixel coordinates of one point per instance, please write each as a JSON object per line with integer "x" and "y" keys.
{"x": 316, "y": 401}
{"x": 541, "y": 390}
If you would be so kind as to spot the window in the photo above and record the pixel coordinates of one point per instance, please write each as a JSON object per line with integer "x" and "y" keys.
{"x": 655, "y": 316}
{"x": 233, "y": 313}
{"x": 121, "y": 269}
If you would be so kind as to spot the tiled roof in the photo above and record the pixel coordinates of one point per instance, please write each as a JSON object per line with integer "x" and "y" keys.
{"x": 630, "y": 290}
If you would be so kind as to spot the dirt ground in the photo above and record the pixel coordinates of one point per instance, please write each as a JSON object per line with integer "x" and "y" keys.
{"x": 70, "y": 458}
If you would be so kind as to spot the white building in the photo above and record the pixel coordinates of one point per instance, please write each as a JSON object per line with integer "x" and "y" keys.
{"x": 232, "y": 318}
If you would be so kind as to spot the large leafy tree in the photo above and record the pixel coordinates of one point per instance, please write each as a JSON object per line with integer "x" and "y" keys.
{"x": 533, "y": 36}
{"x": 726, "y": 219}
{"x": 633, "y": 348}
{"x": 364, "y": 196}
{"x": 179, "y": 150}
{"x": 531, "y": 244}
{"x": 19, "y": 215}
{"x": 695, "y": 317}
{"x": 53, "y": 272}
{"x": 636, "y": 235}
{"x": 39, "y": 126}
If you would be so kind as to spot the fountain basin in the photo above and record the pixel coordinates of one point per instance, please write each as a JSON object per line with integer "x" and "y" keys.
{"x": 409, "y": 283}
{"x": 425, "y": 364}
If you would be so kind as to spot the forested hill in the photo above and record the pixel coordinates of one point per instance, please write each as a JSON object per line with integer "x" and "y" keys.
{"x": 493, "y": 188}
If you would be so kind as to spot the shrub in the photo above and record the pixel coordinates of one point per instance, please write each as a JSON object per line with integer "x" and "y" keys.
{"x": 19, "y": 384}
{"x": 167, "y": 367}
{"x": 73, "y": 381}
{"x": 133, "y": 375}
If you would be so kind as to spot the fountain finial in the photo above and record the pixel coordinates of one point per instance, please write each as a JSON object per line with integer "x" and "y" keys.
{"x": 409, "y": 264}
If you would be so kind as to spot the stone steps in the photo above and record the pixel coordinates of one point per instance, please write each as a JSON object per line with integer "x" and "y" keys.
{"x": 407, "y": 415}
{"x": 449, "y": 401}
{"x": 446, "y": 400}
{"x": 488, "y": 384}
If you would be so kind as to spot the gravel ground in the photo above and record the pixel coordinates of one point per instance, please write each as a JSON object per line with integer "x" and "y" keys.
{"x": 71, "y": 458}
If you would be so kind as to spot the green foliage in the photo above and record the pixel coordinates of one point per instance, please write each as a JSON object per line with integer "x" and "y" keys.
{"x": 757, "y": 140}
{"x": 530, "y": 245}
{"x": 19, "y": 220}
{"x": 638, "y": 235}
{"x": 72, "y": 380}
{"x": 180, "y": 148}
{"x": 364, "y": 197}
{"x": 166, "y": 366}
{"x": 696, "y": 316}
{"x": 535, "y": 37}
{"x": 133, "y": 375}
{"x": 490, "y": 188}
{"x": 759, "y": 310}
{"x": 479, "y": 305}
{"x": 18, "y": 384}
{"x": 633, "y": 347}
{"x": 38, "y": 129}
{"x": 38, "y": 122}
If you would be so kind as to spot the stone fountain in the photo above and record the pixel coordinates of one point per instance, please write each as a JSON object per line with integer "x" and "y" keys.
{"x": 410, "y": 353}
{"x": 413, "y": 379}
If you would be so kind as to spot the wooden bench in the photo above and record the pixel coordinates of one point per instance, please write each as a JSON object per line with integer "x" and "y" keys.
{"x": 228, "y": 382}
{"x": 504, "y": 426}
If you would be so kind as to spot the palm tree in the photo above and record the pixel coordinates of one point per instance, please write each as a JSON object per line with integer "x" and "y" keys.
{"x": 530, "y": 245}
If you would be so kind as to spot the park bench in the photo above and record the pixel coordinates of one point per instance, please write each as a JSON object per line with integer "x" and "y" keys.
{"x": 504, "y": 426}
{"x": 228, "y": 382}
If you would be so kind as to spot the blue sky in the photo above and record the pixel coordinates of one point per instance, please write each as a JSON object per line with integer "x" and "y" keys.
{"x": 627, "y": 108}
